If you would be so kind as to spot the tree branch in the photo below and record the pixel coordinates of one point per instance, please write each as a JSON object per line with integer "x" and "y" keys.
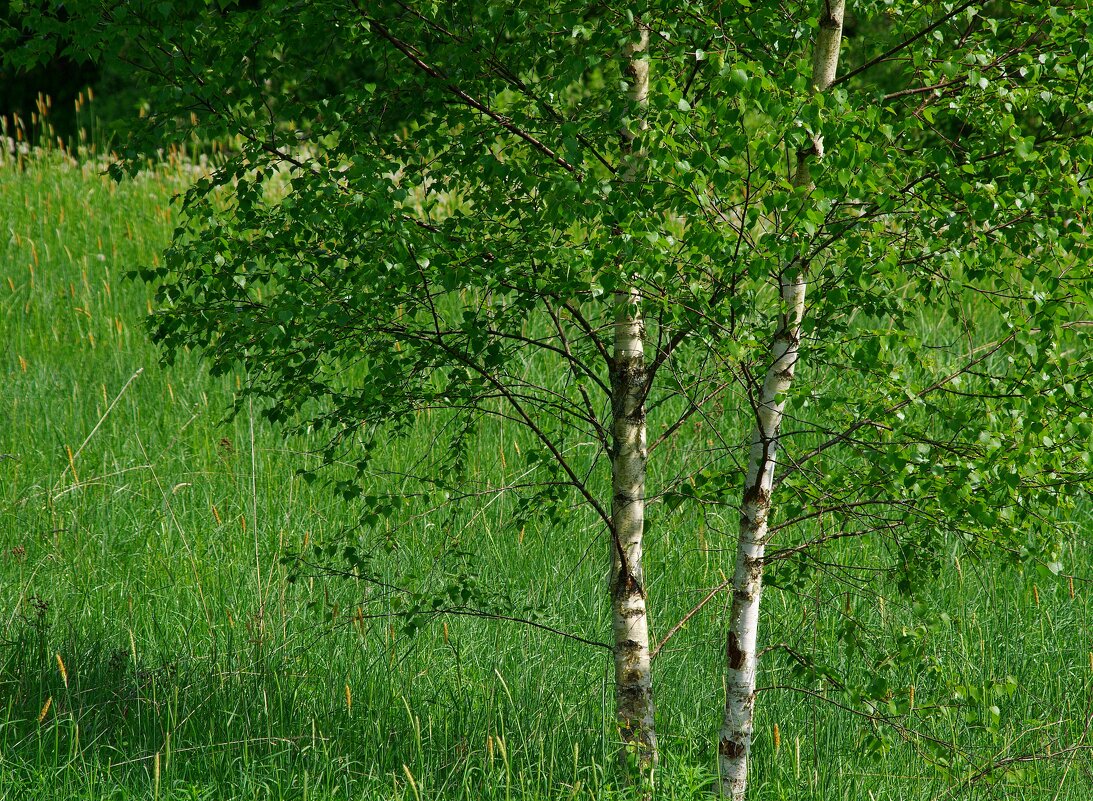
{"x": 450, "y": 87}
{"x": 904, "y": 44}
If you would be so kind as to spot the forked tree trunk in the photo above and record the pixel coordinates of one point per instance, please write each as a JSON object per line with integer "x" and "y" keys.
{"x": 629, "y": 619}
{"x": 747, "y": 584}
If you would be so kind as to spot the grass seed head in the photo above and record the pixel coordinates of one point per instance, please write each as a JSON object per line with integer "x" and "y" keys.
{"x": 49, "y": 703}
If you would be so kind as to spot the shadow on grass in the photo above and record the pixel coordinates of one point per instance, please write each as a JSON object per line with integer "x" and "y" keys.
{"x": 97, "y": 713}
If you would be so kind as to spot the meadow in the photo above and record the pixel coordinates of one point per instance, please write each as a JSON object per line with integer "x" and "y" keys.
{"x": 151, "y": 645}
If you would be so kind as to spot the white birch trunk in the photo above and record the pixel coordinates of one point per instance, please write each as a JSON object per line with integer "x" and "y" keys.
{"x": 747, "y": 585}
{"x": 629, "y": 619}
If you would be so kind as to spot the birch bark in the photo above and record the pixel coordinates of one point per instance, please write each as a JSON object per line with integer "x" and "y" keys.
{"x": 747, "y": 585}
{"x": 629, "y": 618}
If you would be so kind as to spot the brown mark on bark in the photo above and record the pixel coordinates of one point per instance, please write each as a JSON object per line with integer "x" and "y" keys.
{"x": 754, "y": 567}
{"x": 758, "y": 496}
{"x": 628, "y": 585}
{"x": 730, "y": 748}
{"x": 735, "y": 655}
{"x": 829, "y": 20}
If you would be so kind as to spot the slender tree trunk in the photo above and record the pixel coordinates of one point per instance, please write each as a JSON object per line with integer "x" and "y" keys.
{"x": 629, "y": 619}
{"x": 747, "y": 585}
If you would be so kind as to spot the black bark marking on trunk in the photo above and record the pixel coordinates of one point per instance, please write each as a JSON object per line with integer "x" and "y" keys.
{"x": 628, "y": 375}
{"x": 628, "y": 371}
{"x": 631, "y": 678}
{"x": 735, "y": 655}
{"x": 731, "y": 749}
{"x": 758, "y": 496}
{"x": 791, "y": 338}
{"x": 628, "y": 585}
{"x": 828, "y": 19}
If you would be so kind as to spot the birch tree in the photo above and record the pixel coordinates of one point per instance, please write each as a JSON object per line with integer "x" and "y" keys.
{"x": 669, "y": 247}
{"x": 629, "y": 615}
{"x": 755, "y": 505}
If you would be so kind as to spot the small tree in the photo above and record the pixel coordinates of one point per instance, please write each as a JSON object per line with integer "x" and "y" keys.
{"x": 567, "y": 217}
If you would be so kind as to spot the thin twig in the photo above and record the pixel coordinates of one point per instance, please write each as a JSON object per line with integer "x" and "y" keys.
{"x": 904, "y": 44}
{"x": 683, "y": 620}
{"x": 477, "y": 105}
{"x": 109, "y": 408}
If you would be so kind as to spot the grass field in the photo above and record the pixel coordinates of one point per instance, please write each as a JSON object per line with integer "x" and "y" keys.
{"x": 151, "y": 647}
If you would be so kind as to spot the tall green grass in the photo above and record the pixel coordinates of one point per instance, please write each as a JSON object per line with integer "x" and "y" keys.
{"x": 141, "y": 537}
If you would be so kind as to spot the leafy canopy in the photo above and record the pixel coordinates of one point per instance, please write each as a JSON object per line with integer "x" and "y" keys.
{"x": 422, "y": 209}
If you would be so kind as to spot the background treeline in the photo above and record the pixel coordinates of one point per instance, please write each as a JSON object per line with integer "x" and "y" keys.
{"x": 116, "y": 83}
{"x": 63, "y": 80}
